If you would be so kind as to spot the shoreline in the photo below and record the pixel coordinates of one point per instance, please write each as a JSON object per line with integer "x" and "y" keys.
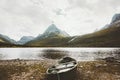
{"x": 36, "y": 70}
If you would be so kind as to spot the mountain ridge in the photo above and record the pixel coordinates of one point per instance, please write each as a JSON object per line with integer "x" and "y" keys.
{"x": 108, "y": 36}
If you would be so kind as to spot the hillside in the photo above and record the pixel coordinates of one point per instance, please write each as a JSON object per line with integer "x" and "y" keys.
{"x": 4, "y": 42}
{"x": 104, "y": 38}
{"x": 49, "y": 42}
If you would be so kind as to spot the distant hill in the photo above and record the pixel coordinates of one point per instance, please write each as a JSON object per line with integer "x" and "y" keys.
{"x": 5, "y": 41}
{"x": 25, "y": 39}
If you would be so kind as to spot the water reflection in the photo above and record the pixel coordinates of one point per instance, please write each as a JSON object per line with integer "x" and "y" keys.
{"x": 80, "y": 54}
{"x": 53, "y": 53}
{"x": 1, "y": 56}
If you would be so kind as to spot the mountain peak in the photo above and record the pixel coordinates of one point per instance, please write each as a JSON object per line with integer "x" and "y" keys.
{"x": 53, "y": 31}
{"x": 115, "y": 18}
{"x": 52, "y": 28}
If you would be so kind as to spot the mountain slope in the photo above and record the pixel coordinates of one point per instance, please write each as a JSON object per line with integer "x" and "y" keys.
{"x": 25, "y": 39}
{"x": 108, "y": 37}
{"x": 5, "y": 41}
{"x": 49, "y": 42}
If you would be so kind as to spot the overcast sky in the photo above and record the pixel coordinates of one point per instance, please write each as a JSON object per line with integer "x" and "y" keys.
{"x": 31, "y": 17}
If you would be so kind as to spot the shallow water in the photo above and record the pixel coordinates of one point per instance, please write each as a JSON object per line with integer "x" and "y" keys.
{"x": 80, "y": 54}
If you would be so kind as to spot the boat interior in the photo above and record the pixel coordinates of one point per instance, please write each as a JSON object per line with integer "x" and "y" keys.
{"x": 63, "y": 67}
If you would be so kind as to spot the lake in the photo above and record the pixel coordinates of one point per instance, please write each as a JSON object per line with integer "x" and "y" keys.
{"x": 80, "y": 54}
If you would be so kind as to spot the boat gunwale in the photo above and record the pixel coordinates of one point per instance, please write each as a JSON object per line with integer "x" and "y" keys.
{"x": 74, "y": 66}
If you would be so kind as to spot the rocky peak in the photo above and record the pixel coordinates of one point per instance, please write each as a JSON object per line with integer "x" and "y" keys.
{"x": 115, "y": 18}
{"x": 51, "y": 29}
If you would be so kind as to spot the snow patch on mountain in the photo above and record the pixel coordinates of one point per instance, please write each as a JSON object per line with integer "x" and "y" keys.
{"x": 72, "y": 39}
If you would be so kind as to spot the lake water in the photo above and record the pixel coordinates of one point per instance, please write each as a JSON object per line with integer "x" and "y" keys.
{"x": 80, "y": 54}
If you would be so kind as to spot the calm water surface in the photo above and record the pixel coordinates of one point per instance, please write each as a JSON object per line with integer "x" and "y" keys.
{"x": 80, "y": 54}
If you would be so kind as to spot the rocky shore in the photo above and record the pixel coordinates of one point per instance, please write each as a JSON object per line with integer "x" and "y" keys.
{"x": 35, "y": 70}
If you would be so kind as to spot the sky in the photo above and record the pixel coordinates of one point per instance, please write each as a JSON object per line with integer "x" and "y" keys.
{"x": 77, "y": 17}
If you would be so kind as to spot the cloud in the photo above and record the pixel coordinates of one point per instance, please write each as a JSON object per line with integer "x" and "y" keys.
{"x": 16, "y": 15}
{"x": 32, "y": 17}
{"x": 95, "y": 5}
{"x": 59, "y": 12}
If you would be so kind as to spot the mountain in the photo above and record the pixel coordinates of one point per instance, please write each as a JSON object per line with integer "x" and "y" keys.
{"x": 53, "y": 31}
{"x": 6, "y": 38}
{"x": 115, "y": 18}
{"x": 51, "y": 34}
{"x": 5, "y": 41}
{"x": 106, "y": 37}
{"x": 25, "y": 39}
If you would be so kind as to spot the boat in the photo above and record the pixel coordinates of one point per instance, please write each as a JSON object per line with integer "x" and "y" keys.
{"x": 65, "y": 69}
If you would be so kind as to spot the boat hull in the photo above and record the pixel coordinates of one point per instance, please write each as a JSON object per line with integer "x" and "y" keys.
{"x": 69, "y": 75}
